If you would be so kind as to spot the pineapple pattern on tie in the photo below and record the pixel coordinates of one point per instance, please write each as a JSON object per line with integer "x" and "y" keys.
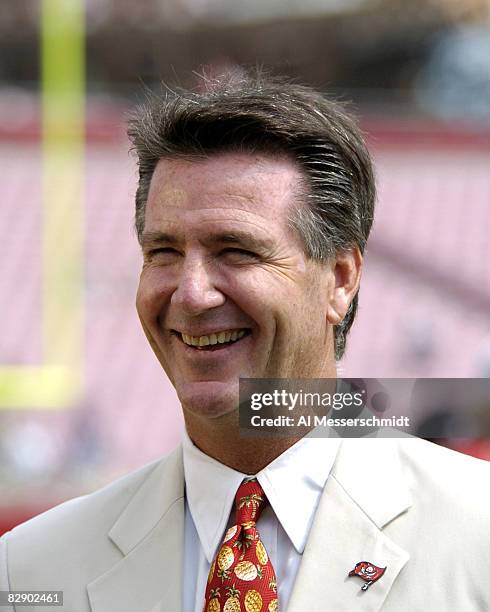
{"x": 241, "y": 578}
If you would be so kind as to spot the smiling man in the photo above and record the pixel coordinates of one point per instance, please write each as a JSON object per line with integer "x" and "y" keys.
{"x": 227, "y": 290}
{"x": 254, "y": 205}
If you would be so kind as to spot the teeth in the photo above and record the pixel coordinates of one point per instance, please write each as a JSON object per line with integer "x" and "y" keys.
{"x": 219, "y": 338}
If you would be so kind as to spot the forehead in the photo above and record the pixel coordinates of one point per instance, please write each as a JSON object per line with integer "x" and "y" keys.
{"x": 226, "y": 185}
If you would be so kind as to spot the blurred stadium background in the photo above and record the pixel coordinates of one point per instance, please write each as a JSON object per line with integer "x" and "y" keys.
{"x": 418, "y": 76}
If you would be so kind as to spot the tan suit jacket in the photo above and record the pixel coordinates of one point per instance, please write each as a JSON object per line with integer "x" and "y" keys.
{"x": 420, "y": 510}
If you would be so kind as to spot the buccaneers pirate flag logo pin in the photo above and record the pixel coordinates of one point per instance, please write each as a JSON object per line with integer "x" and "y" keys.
{"x": 368, "y": 572}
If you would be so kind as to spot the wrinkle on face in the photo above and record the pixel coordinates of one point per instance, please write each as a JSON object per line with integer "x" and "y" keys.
{"x": 277, "y": 292}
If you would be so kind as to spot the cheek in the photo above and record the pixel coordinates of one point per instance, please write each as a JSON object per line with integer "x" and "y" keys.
{"x": 269, "y": 300}
{"x": 246, "y": 289}
{"x": 152, "y": 294}
{"x": 309, "y": 319}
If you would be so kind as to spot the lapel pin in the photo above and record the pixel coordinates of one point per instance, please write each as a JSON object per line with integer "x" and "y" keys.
{"x": 368, "y": 572}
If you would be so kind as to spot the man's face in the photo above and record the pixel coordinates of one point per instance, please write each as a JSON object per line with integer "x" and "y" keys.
{"x": 226, "y": 289}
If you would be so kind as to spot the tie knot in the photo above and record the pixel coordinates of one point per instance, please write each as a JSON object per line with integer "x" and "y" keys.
{"x": 249, "y": 502}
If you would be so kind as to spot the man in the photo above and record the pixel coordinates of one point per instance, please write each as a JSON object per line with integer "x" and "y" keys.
{"x": 254, "y": 205}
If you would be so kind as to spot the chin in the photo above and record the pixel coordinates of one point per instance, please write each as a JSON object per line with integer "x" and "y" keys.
{"x": 209, "y": 399}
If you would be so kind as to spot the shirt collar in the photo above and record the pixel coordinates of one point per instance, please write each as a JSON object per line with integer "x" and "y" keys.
{"x": 293, "y": 483}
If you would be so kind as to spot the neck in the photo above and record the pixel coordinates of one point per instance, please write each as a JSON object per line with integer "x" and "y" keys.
{"x": 220, "y": 439}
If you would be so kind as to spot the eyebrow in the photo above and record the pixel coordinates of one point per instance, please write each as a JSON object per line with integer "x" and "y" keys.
{"x": 151, "y": 238}
{"x": 245, "y": 239}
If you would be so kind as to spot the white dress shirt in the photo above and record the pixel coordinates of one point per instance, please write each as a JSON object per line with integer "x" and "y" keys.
{"x": 293, "y": 483}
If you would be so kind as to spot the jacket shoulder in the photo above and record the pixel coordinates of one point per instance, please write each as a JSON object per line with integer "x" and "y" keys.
{"x": 452, "y": 475}
{"x": 451, "y": 501}
{"x": 68, "y": 534}
{"x": 111, "y": 498}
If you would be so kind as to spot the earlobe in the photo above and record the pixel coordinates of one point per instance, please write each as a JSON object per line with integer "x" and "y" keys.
{"x": 347, "y": 269}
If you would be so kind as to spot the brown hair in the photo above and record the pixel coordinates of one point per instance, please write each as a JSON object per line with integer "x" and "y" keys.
{"x": 255, "y": 112}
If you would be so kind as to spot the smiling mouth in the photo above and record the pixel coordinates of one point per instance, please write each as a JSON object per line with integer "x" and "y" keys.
{"x": 213, "y": 342}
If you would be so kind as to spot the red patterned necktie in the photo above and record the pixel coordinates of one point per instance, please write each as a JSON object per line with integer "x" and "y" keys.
{"x": 241, "y": 578}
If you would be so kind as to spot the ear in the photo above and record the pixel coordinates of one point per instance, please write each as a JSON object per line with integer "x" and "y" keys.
{"x": 346, "y": 268}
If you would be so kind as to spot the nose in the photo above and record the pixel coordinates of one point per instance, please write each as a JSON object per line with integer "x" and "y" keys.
{"x": 195, "y": 292}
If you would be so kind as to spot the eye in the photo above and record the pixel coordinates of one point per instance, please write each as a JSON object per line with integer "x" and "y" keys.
{"x": 162, "y": 250}
{"x": 164, "y": 253}
{"x": 237, "y": 253}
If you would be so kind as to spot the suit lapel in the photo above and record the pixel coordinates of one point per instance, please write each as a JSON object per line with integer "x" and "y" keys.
{"x": 150, "y": 535}
{"x": 365, "y": 491}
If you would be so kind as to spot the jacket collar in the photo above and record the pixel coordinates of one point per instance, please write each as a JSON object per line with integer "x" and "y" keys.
{"x": 150, "y": 535}
{"x": 365, "y": 491}
{"x": 370, "y": 472}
